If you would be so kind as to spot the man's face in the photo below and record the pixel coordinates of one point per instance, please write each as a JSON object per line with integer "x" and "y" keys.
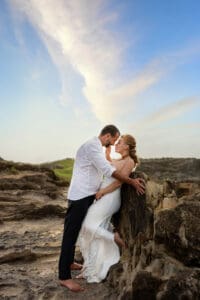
{"x": 110, "y": 140}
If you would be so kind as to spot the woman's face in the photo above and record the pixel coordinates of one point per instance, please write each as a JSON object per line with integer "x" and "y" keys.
{"x": 121, "y": 146}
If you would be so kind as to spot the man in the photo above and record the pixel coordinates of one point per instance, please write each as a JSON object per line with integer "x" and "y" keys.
{"x": 90, "y": 164}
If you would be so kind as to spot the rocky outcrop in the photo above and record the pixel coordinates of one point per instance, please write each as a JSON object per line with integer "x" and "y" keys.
{"x": 30, "y": 194}
{"x": 32, "y": 209}
{"x": 173, "y": 169}
{"x": 161, "y": 230}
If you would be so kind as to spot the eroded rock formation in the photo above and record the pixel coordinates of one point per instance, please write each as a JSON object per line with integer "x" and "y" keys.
{"x": 162, "y": 233}
{"x": 161, "y": 230}
{"x": 32, "y": 209}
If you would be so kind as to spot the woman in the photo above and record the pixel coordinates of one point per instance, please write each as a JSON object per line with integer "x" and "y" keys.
{"x": 97, "y": 242}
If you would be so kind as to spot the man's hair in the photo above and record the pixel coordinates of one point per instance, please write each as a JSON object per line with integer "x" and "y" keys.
{"x": 112, "y": 129}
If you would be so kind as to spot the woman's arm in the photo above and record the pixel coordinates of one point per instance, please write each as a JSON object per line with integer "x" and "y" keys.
{"x": 125, "y": 170}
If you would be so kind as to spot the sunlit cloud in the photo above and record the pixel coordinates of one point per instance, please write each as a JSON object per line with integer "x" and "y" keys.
{"x": 173, "y": 141}
{"x": 173, "y": 110}
{"x": 127, "y": 92}
{"x": 77, "y": 36}
{"x": 158, "y": 119}
{"x": 166, "y": 133}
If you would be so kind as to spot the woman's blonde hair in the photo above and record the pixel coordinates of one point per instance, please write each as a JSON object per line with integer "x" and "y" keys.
{"x": 131, "y": 142}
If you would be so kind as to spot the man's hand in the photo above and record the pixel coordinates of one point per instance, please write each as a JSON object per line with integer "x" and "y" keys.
{"x": 107, "y": 153}
{"x": 99, "y": 194}
{"x": 139, "y": 185}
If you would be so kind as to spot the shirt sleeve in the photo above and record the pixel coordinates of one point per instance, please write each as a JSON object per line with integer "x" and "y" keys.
{"x": 99, "y": 161}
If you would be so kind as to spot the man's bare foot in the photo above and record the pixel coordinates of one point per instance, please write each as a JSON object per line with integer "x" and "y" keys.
{"x": 71, "y": 285}
{"x": 80, "y": 276}
{"x": 76, "y": 266}
{"x": 118, "y": 240}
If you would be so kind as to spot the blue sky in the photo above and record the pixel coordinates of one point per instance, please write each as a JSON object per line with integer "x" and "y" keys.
{"x": 68, "y": 67}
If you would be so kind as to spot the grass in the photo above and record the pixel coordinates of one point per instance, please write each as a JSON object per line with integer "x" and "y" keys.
{"x": 63, "y": 168}
{"x": 13, "y": 170}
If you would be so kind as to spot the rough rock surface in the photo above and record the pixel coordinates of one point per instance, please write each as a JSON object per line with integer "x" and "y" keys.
{"x": 161, "y": 230}
{"x": 176, "y": 169}
{"x": 32, "y": 209}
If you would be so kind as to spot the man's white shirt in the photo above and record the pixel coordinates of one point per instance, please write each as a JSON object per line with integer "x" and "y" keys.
{"x": 89, "y": 167}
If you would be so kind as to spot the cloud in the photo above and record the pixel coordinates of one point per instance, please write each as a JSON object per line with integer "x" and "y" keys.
{"x": 167, "y": 113}
{"x": 80, "y": 43}
{"x": 75, "y": 34}
{"x": 128, "y": 91}
{"x": 168, "y": 132}
{"x": 173, "y": 110}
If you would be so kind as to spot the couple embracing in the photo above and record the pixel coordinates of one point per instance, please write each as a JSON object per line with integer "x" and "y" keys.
{"x": 93, "y": 197}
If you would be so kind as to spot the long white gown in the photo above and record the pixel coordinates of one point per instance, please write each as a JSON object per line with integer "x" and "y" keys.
{"x": 96, "y": 238}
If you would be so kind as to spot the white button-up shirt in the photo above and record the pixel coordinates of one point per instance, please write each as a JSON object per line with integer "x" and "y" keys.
{"x": 89, "y": 167}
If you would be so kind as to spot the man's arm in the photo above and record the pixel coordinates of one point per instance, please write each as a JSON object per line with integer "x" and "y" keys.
{"x": 138, "y": 183}
{"x": 99, "y": 161}
{"x": 107, "y": 153}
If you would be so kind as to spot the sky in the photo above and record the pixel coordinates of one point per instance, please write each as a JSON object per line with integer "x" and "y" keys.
{"x": 69, "y": 67}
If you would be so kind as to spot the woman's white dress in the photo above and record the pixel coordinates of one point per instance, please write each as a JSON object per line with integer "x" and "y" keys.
{"x": 96, "y": 238}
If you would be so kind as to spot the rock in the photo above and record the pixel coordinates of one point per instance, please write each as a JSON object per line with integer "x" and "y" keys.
{"x": 145, "y": 286}
{"x": 178, "y": 229}
{"x": 32, "y": 209}
{"x": 31, "y": 194}
{"x": 176, "y": 169}
{"x": 186, "y": 285}
{"x": 161, "y": 230}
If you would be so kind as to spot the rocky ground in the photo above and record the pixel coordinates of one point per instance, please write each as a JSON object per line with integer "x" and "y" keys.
{"x": 162, "y": 260}
{"x": 32, "y": 209}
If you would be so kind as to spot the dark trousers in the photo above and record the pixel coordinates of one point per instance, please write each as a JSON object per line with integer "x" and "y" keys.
{"x": 76, "y": 212}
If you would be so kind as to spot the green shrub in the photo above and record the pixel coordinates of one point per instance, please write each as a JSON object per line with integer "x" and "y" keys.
{"x": 13, "y": 170}
{"x": 66, "y": 171}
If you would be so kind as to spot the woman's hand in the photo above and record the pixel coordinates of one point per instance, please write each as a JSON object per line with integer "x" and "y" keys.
{"x": 99, "y": 194}
{"x": 139, "y": 185}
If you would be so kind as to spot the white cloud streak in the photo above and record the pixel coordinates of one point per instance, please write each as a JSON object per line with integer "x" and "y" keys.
{"x": 159, "y": 120}
{"x": 75, "y": 33}
{"x": 173, "y": 110}
{"x": 77, "y": 37}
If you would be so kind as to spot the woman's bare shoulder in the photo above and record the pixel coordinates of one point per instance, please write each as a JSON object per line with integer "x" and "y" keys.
{"x": 117, "y": 162}
{"x": 129, "y": 162}
{"x": 129, "y": 165}
{"x": 121, "y": 163}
